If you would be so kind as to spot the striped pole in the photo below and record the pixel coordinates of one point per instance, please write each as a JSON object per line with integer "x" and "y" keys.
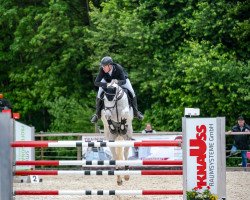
{"x": 163, "y": 143}
{"x": 99, "y": 162}
{"x": 98, "y": 192}
{"x": 99, "y": 172}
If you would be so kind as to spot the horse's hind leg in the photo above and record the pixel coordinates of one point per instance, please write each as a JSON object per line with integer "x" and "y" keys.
{"x": 126, "y": 151}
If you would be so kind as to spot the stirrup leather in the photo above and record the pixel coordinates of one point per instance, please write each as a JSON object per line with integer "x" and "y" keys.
{"x": 94, "y": 118}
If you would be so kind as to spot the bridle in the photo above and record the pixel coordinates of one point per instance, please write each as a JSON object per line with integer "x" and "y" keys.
{"x": 117, "y": 97}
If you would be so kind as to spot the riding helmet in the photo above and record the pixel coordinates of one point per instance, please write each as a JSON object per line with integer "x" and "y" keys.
{"x": 106, "y": 61}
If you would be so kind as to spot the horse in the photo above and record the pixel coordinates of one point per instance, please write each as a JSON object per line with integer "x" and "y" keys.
{"x": 117, "y": 116}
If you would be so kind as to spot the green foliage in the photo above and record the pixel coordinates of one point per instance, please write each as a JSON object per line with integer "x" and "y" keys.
{"x": 50, "y": 60}
{"x": 196, "y": 194}
{"x": 234, "y": 161}
{"x": 203, "y": 77}
{"x": 69, "y": 115}
{"x": 178, "y": 54}
{"x": 8, "y": 22}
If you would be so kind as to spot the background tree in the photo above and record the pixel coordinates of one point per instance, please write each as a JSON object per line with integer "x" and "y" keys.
{"x": 178, "y": 54}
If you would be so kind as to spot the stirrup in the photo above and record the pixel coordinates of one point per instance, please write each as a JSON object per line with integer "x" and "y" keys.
{"x": 94, "y": 119}
{"x": 139, "y": 115}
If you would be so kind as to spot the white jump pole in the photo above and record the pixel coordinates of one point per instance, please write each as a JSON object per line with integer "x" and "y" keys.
{"x": 98, "y": 172}
{"x": 163, "y": 143}
{"x": 99, "y": 192}
{"x": 101, "y": 162}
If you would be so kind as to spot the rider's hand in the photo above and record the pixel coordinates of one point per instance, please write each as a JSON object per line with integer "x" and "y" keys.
{"x": 115, "y": 81}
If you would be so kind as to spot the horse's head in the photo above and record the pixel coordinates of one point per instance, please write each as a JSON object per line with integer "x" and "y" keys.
{"x": 113, "y": 90}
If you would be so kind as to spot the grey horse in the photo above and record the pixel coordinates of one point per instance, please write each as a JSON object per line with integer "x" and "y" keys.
{"x": 117, "y": 117}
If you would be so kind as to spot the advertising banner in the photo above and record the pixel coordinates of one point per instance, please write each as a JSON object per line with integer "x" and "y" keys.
{"x": 24, "y": 133}
{"x": 135, "y": 153}
{"x": 204, "y": 154}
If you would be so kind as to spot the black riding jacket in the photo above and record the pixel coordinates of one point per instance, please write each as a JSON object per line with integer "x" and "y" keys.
{"x": 242, "y": 142}
{"x": 118, "y": 73}
{"x": 148, "y": 131}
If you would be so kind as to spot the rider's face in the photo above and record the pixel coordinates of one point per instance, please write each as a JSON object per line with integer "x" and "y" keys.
{"x": 241, "y": 123}
{"x": 106, "y": 68}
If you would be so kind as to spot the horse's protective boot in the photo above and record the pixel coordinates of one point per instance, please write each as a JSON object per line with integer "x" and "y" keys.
{"x": 137, "y": 113}
{"x": 97, "y": 115}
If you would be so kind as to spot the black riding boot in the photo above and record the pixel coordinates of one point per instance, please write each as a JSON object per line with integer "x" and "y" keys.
{"x": 97, "y": 115}
{"x": 137, "y": 113}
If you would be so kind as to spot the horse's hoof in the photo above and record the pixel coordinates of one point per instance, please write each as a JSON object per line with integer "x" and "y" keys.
{"x": 126, "y": 177}
{"x": 119, "y": 183}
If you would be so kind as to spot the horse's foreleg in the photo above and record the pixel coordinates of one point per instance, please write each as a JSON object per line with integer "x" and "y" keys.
{"x": 115, "y": 154}
{"x": 126, "y": 151}
{"x": 119, "y": 157}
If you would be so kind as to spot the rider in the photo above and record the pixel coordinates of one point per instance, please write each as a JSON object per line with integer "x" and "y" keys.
{"x": 108, "y": 71}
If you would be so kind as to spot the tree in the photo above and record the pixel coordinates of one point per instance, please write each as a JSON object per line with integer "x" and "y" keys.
{"x": 48, "y": 48}
{"x": 178, "y": 54}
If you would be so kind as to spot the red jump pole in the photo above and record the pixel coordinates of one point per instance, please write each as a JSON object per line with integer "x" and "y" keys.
{"x": 98, "y": 192}
{"x": 30, "y": 144}
{"x": 162, "y": 162}
{"x": 105, "y": 162}
{"x": 39, "y": 162}
{"x": 99, "y": 172}
{"x": 162, "y": 192}
{"x": 36, "y": 172}
{"x": 157, "y": 143}
{"x": 36, "y": 192}
{"x": 161, "y": 172}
